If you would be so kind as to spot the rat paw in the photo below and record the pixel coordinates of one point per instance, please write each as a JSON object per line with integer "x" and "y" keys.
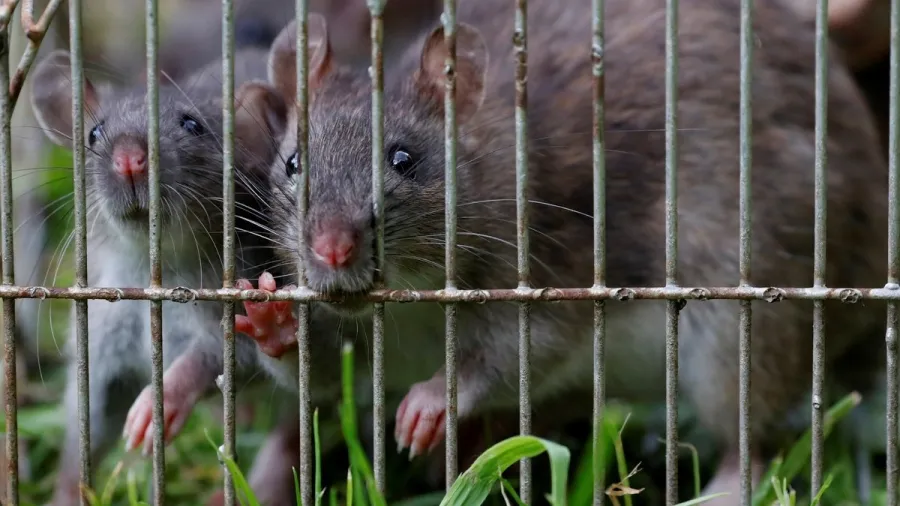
{"x": 421, "y": 418}
{"x": 270, "y": 324}
{"x": 177, "y": 406}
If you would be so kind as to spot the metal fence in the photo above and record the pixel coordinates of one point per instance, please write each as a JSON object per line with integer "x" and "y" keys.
{"x": 525, "y": 294}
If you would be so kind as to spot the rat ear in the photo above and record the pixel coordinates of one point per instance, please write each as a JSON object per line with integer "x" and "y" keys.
{"x": 283, "y": 57}
{"x": 261, "y": 118}
{"x": 471, "y": 69}
{"x": 51, "y": 97}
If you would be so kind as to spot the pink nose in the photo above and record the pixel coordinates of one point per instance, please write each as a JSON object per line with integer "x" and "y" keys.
{"x": 130, "y": 160}
{"x": 335, "y": 246}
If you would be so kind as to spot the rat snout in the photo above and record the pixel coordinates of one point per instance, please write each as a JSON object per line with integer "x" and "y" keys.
{"x": 336, "y": 244}
{"x": 129, "y": 160}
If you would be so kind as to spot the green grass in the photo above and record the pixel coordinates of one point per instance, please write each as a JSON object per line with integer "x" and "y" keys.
{"x": 482, "y": 482}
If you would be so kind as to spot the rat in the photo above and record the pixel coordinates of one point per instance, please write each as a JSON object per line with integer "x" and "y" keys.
{"x": 190, "y": 235}
{"x": 860, "y": 28}
{"x": 340, "y": 236}
{"x": 195, "y": 33}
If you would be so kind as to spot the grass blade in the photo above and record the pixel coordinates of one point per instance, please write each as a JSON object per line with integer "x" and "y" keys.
{"x": 798, "y": 456}
{"x": 474, "y": 485}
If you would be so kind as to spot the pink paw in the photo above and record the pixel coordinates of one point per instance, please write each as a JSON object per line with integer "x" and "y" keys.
{"x": 421, "y": 417}
{"x": 270, "y": 324}
{"x": 177, "y": 406}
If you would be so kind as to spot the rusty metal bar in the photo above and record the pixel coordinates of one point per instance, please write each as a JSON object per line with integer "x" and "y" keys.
{"x": 307, "y": 491}
{"x": 376, "y": 71}
{"x": 184, "y": 295}
{"x": 449, "y": 21}
{"x": 819, "y": 265}
{"x": 81, "y": 273}
{"x": 599, "y": 156}
{"x": 228, "y": 218}
{"x": 156, "y": 350}
{"x": 746, "y": 220}
{"x": 7, "y": 229}
{"x": 673, "y": 307}
{"x": 893, "y": 281}
{"x": 520, "y": 44}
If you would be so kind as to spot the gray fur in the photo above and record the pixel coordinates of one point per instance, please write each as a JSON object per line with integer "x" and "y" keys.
{"x": 191, "y": 239}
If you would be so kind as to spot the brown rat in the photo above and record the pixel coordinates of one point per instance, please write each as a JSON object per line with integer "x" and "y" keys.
{"x": 194, "y": 36}
{"x": 860, "y": 28}
{"x": 191, "y": 236}
{"x": 339, "y": 224}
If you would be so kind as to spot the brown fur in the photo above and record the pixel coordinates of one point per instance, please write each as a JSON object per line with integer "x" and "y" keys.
{"x": 560, "y": 174}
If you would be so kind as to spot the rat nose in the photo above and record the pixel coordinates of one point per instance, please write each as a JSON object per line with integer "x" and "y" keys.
{"x": 130, "y": 160}
{"x": 335, "y": 245}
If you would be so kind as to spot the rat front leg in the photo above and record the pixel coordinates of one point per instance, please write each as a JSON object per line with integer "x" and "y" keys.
{"x": 421, "y": 420}
{"x": 270, "y": 324}
{"x": 184, "y": 382}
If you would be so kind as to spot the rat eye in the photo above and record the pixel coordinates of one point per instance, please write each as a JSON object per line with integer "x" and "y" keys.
{"x": 292, "y": 165}
{"x": 191, "y": 125}
{"x": 95, "y": 133}
{"x": 403, "y": 162}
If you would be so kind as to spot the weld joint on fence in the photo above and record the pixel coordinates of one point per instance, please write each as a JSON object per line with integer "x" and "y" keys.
{"x": 850, "y": 296}
{"x": 892, "y": 286}
{"x": 183, "y": 294}
{"x": 38, "y": 292}
{"x": 773, "y": 295}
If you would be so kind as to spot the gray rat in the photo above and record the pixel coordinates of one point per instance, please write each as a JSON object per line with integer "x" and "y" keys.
{"x": 340, "y": 235}
{"x": 191, "y": 237}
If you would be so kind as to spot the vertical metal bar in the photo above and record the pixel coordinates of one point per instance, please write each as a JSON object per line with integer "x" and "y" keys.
{"x": 81, "y": 274}
{"x": 306, "y": 464}
{"x": 746, "y": 220}
{"x": 893, "y": 313}
{"x": 520, "y": 42}
{"x": 228, "y": 390}
{"x": 376, "y": 72}
{"x": 673, "y": 306}
{"x": 7, "y": 228}
{"x": 819, "y": 265}
{"x": 599, "y": 249}
{"x": 449, "y": 19}
{"x": 159, "y": 461}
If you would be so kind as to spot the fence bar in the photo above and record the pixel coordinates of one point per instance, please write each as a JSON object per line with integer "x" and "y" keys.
{"x": 81, "y": 281}
{"x": 449, "y": 20}
{"x": 893, "y": 312}
{"x": 746, "y": 220}
{"x": 9, "y": 305}
{"x": 549, "y": 294}
{"x": 819, "y": 266}
{"x": 228, "y": 390}
{"x": 156, "y": 350}
{"x": 520, "y": 43}
{"x": 674, "y": 306}
{"x": 306, "y": 463}
{"x": 599, "y": 250}
{"x": 376, "y": 71}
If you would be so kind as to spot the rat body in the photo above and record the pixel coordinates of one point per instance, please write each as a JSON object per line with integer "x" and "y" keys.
{"x": 340, "y": 234}
{"x": 190, "y": 236}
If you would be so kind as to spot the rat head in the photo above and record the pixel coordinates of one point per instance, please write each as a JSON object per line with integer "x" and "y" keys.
{"x": 190, "y": 147}
{"x": 339, "y": 228}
